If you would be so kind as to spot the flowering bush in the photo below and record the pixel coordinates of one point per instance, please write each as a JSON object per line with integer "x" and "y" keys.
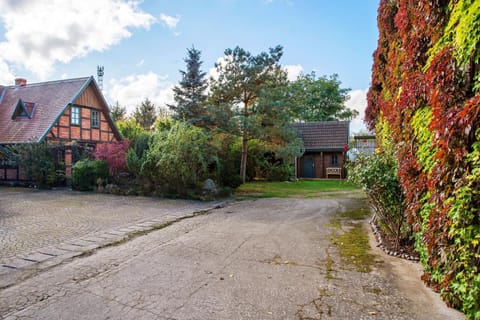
{"x": 114, "y": 154}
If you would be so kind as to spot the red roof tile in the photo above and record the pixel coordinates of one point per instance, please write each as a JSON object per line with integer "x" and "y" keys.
{"x": 50, "y": 99}
{"x": 323, "y": 135}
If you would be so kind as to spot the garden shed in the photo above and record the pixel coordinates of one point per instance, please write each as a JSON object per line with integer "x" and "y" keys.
{"x": 326, "y": 143}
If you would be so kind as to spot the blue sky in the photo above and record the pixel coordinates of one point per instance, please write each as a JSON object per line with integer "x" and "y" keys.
{"x": 142, "y": 44}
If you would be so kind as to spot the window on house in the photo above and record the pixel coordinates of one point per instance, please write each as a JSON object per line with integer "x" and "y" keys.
{"x": 23, "y": 110}
{"x": 75, "y": 116}
{"x": 95, "y": 119}
{"x": 334, "y": 159}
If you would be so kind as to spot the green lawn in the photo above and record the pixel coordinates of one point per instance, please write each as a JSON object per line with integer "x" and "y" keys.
{"x": 304, "y": 188}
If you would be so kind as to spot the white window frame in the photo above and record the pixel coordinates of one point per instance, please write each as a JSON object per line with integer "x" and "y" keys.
{"x": 75, "y": 115}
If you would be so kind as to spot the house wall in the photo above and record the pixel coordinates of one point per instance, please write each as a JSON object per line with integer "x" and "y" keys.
{"x": 319, "y": 167}
{"x": 323, "y": 160}
{"x": 365, "y": 144}
{"x": 11, "y": 173}
{"x": 65, "y": 132}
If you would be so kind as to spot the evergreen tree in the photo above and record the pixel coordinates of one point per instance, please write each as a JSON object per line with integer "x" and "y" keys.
{"x": 145, "y": 114}
{"x": 250, "y": 93}
{"x": 118, "y": 112}
{"x": 189, "y": 94}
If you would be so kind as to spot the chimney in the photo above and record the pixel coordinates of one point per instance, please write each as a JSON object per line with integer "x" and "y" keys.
{"x": 20, "y": 82}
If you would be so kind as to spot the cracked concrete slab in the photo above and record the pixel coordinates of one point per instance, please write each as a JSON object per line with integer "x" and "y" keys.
{"x": 264, "y": 259}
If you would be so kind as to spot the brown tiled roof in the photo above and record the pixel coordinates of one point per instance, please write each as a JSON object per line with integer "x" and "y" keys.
{"x": 323, "y": 135}
{"x": 50, "y": 100}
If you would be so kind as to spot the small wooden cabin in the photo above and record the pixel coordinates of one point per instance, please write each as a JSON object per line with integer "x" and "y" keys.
{"x": 70, "y": 113}
{"x": 326, "y": 143}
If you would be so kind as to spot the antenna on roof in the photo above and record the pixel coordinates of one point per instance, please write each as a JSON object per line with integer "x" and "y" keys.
{"x": 100, "y": 77}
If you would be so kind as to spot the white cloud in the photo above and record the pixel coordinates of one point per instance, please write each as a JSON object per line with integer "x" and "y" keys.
{"x": 130, "y": 91}
{"x": 40, "y": 33}
{"x": 6, "y": 75}
{"x": 212, "y": 72}
{"x": 169, "y": 21}
{"x": 293, "y": 71}
{"x": 358, "y": 101}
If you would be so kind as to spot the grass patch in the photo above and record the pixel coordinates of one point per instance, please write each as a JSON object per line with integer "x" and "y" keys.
{"x": 357, "y": 214}
{"x": 329, "y": 267}
{"x": 304, "y": 188}
{"x": 354, "y": 248}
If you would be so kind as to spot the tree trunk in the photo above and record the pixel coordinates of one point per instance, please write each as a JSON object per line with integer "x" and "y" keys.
{"x": 243, "y": 163}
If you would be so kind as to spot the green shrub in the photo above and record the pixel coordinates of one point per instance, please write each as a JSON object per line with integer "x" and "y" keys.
{"x": 86, "y": 173}
{"x": 134, "y": 163}
{"x": 181, "y": 160}
{"x": 377, "y": 175}
{"x": 129, "y": 129}
{"x": 232, "y": 180}
{"x": 229, "y": 160}
{"x": 140, "y": 142}
{"x": 36, "y": 158}
{"x": 280, "y": 172}
{"x": 262, "y": 161}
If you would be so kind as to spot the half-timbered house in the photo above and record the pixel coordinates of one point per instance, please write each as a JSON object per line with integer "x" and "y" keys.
{"x": 69, "y": 113}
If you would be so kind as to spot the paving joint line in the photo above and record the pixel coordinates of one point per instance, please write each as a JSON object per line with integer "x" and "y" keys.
{"x": 113, "y": 238}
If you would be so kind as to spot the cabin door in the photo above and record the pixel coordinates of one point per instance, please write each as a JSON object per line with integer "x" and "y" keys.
{"x": 308, "y": 166}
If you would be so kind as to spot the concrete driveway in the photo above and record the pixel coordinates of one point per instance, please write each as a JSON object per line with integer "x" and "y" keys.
{"x": 39, "y": 229}
{"x": 264, "y": 259}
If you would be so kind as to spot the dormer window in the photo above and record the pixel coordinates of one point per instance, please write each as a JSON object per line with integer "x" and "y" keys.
{"x": 23, "y": 110}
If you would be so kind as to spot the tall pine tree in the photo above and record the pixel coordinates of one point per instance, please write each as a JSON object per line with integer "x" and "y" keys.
{"x": 118, "y": 112}
{"x": 253, "y": 87}
{"x": 189, "y": 94}
{"x": 145, "y": 114}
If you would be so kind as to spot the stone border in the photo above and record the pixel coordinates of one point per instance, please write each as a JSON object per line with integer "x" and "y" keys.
{"x": 22, "y": 267}
{"x": 378, "y": 238}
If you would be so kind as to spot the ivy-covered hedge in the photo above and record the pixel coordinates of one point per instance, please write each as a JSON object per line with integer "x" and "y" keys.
{"x": 424, "y": 102}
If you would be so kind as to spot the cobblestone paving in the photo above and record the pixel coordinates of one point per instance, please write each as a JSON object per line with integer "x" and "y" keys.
{"x": 33, "y": 219}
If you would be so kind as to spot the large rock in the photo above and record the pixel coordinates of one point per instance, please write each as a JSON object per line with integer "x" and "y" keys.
{"x": 209, "y": 187}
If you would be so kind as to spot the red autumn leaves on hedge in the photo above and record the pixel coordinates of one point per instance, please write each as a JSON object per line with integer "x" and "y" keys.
{"x": 409, "y": 75}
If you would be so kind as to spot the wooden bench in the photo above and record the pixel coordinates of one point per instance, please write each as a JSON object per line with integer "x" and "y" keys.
{"x": 335, "y": 172}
